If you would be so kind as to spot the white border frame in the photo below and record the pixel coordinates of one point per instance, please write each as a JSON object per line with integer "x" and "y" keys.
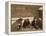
{"x": 25, "y": 3}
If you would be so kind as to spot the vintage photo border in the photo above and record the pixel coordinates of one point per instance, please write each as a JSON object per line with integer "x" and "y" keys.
{"x": 25, "y": 3}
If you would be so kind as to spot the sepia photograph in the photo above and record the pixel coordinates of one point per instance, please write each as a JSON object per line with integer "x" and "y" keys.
{"x": 24, "y": 17}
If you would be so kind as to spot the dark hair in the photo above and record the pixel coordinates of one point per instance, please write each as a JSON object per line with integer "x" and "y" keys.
{"x": 20, "y": 19}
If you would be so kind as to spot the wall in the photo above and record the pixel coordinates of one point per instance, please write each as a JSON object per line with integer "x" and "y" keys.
{"x": 23, "y": 10}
